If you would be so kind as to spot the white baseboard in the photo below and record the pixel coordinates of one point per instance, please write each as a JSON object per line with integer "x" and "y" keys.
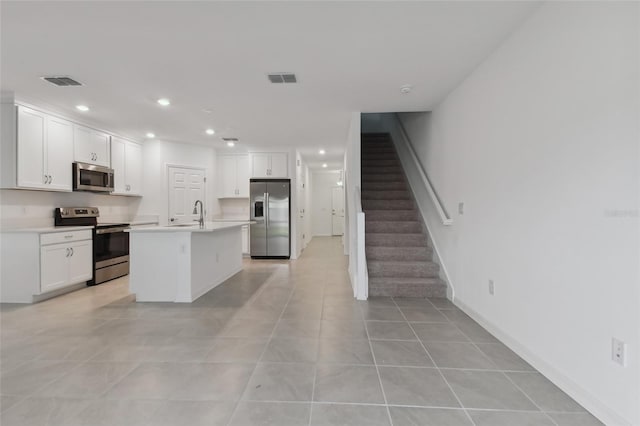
{"x": 590, "y": 402}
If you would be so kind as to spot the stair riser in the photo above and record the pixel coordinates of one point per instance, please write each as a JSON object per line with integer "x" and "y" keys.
{"x": 387, "y": 204}
{"x": 386, "y": 195}
{"x": 408, "y": 290}
{"x": 380, "y": 170}
{"x": 384, "y": 186}
{"x": 378, "y": 151}
{"x": 378, "y": 215}
{"x": 382, "y": 178}
{"x": 402, "y": 270}
{"x": 396, "y": 240}
{"x": 378, "y": 156}
{"x": 392, "y": 227}
{"x": 387, "y": 162}
{"x": 399, "y": 253}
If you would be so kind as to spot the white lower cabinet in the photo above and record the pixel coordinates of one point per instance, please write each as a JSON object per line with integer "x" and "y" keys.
{"x": 37, "y": 263}
{"x": 54, "y": 267}
{"x": 67, "y": 263}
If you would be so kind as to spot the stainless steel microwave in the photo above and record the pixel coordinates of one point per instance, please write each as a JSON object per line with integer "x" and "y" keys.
{"x": 89, "y": 177}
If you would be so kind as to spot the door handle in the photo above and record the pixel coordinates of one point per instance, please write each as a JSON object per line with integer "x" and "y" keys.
{"x": 172, "y": 219}
{"x": 266, "y": 208}
{"x": 71, "y": 251}
{"x": 68, "y": 252}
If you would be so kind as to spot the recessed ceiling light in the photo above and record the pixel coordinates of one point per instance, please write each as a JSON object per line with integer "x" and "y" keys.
{"x": 82, "y": 108}
{"x": 322, "y": 152}
{"x": 324, "y": 165}
{"x": 150, "y": 135}
{"x": 207, "y": 110}
{"x": 231, "y": 144}
{"x": 210, "y": 132}
{"x": 164, "y": 101}
{"x": 406, "y": 89}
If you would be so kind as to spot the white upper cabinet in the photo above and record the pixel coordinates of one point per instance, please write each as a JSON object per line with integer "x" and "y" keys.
{"x": 279, "y": 165}
{"x": 126, "y": 162}
{"x": 31, "y": 137}
{"x": 91, "y": 146}
{"x": 44, "y": 151}
{"x": 243, "y": 175}
{"x": 269, "y": 165}
{"x": 234, "y": 176}
{"x": 59, "y": 153}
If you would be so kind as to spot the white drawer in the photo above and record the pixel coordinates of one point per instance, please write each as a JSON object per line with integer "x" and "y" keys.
{"x": 64, "y": 237}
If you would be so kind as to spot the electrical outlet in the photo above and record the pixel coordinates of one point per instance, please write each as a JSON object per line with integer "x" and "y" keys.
{"x": 460, "y": 208}
{"x": 491, "y": 287}
{"x": 618, "y": 351}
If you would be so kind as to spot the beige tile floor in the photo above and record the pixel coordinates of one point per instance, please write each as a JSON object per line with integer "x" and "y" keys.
{"x": 281, "y": 343}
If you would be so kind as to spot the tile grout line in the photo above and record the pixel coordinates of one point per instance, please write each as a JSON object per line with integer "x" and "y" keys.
{"x": 506, "y": 376}
{"x": 515, "y": 385}
{"x": 436, "y": 365}
{"x": 315, "y": 368}
{"x": 266, "y": 346}
{"x": 375, "y": 363}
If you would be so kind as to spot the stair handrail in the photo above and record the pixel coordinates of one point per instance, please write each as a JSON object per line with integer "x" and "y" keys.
{"x": 442, "y": 212}
{"x": 362, "y": 290}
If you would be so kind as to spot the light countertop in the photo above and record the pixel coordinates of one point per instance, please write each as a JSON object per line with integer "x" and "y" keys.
{"x": 48, "y": 229}
{"x": 209, "y": 227}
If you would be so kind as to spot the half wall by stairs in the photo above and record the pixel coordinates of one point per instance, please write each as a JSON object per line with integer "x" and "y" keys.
{"x": 399, "y": 256}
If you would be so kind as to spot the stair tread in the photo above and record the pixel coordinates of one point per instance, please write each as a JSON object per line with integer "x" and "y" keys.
{"x": 402, "y": 261}
{"x": 407, "y": 280}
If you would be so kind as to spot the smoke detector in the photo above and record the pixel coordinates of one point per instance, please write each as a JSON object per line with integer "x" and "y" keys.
{"x": 406, "y": 89}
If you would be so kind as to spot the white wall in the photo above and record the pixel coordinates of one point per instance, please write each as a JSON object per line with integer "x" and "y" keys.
{"x": 308, "y": 202}
{"x": 234, "y": 208}
{"x": 541, "y": 144}
{"x": 321, "y": 187}
{"x": 156, "y": 155}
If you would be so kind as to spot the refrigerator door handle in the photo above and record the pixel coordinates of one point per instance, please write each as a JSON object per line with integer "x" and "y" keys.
{"x": 266, "y": 208}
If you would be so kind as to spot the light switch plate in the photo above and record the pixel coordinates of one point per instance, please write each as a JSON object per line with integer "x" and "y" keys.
{"x": 618, "y": 351}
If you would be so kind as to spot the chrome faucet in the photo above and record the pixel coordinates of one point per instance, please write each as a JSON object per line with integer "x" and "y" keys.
{"x": 195, "y": 211}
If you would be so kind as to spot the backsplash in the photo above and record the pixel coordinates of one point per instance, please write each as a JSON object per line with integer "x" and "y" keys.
{"x": 25, "y": 209}
{"x": 234, "y": 208}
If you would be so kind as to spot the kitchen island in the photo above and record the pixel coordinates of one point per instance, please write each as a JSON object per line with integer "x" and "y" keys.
{"x": 181, "y": 263}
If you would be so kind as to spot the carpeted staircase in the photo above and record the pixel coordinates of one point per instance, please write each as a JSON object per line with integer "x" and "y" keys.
{"x": 397, "y": 246}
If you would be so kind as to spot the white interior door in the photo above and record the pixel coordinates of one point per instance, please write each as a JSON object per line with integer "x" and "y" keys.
{"x": 337, "y": 210}
{"x": 186, "y": 185}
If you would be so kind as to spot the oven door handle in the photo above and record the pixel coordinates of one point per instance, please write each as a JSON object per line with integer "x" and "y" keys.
{"x": 111, "y": 230}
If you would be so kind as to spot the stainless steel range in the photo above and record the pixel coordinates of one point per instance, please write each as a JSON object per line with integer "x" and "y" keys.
{"x": 110, "y": 241}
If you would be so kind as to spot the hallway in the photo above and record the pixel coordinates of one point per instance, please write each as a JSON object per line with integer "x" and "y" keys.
{"x": 281, "y": 343}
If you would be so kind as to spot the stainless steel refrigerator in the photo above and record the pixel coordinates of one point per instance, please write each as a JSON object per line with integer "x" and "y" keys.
{"x": 270, "y": 210}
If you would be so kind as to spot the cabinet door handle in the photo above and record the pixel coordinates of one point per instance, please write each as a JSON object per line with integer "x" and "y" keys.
{"x": 71, "y": 251}
{"x": 67, "y": 255}
{"x": 45, "y": 179}
{"x": 50, "y": 178}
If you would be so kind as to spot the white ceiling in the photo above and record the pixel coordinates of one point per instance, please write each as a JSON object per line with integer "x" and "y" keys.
{"x": 348, "y": 56}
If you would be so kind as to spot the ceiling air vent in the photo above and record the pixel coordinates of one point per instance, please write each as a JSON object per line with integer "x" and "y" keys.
{"x": 230, "y": 139}
{"x": 282, "y": 78}
{"x": 62, "y": 81}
